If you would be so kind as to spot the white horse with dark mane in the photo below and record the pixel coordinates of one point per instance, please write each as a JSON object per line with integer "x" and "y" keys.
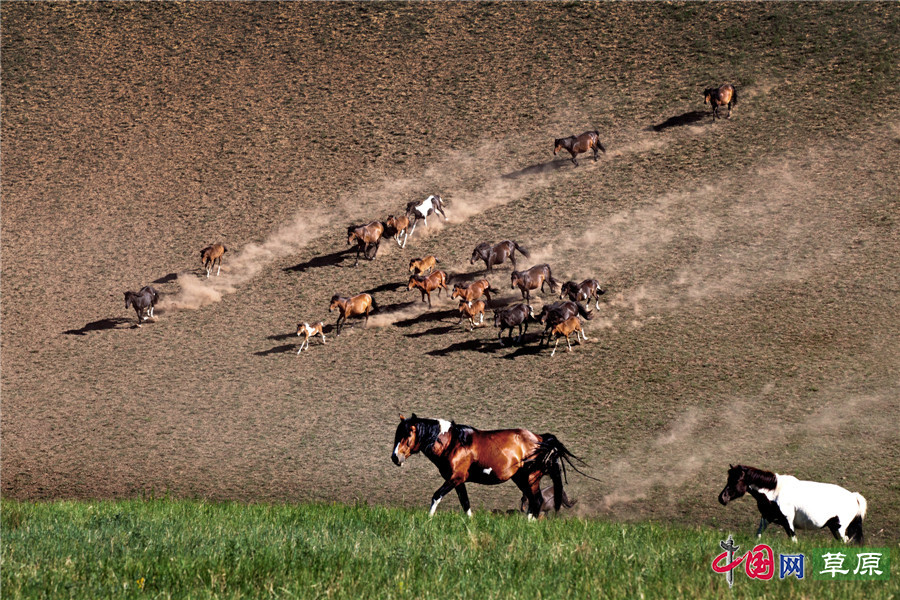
{"x": 421, "y": 210}
{"x": 796, "y": 504}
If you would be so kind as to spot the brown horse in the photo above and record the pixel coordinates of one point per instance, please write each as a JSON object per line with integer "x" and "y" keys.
{"x": 426, "y": 285}
{"x": 367, "y": 237}
{"x": 210, "y": 255}
{"x": 398, "y": 227}
{"x": 418, "y": 266}
{"x": 474, "y": 290}
{"x": 725, "y": 95}
{"x": 548, "y": 501}
{"x": 143, "y": 302}
{"x": 532, "y": 279}
{"x": 567, "y": 328}
{"x": 308, "y": 331}
{"x": 589, "y": 140}
{"x": 586, "y": 290}
{"x": 497, "y": 254}
{"x": 348, "y": 307}
{"x": 470, "y": 309}
{"x": 516, "y": 315}
{"x": 464, "y": 454}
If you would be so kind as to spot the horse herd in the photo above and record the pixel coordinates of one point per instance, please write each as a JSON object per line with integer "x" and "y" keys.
{"x": 464, "y": 454}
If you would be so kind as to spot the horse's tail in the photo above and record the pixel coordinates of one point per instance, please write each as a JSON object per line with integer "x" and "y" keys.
{"x": 599, "y": 143}
{"x": 552, "y": 457}
{"x": 553, "y": 282}
{"x": 854, "y": 529}
{"x": 733, "y": 96}
{"x": 373, "y": 305}
{"x": 522, "y": 249}
{"x": 584, "y": 312}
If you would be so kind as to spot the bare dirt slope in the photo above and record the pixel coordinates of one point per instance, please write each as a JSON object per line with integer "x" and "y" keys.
{"x": 751, "y": 264}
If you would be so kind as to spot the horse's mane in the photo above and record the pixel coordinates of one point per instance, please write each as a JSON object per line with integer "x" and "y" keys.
{"x": 461, "y": 433}
{"x": 760, "y": 478}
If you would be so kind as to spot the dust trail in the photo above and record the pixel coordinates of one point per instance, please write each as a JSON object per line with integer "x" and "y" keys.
{"x": 702, "y": 442}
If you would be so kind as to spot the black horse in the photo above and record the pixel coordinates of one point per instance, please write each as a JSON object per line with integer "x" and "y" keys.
{"x": 497, "y": 254}
{"x": 554, "y": 314}
{"x": 143, "y": 302}
{"x": 516, "y": 315}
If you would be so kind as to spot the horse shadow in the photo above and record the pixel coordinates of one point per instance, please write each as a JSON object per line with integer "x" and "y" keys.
{"x": 538, "y": 169}
{"x": 427, "y": 317}
{"x": 476, "y": 345}
{"x": 687, "y": 118}
{"x": 433, "y": 331}
{"x": 524, "y": 348}
{"x": 166, "y": 278}
{"x": 328, "y": 260}
{"x": 385, "y": 287}
{"x": 283, "y": 349}
{"x": 101, "y": 325}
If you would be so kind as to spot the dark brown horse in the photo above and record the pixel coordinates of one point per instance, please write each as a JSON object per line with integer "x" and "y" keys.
{"x": 474, "y": 291}
{"x": 497, "y": 254}
{"x": 398, "y": 227}
{"x": 436, "y": 281}
{"x": 586, "y": 290}
{"x": 532, "y": 279}
{"x": 516, "y": 315}
{"x": 367, "y": 237}
{"x": 348, "y": 307}
{"x": 211, "y": 255}
{"x": 143, "y": 302}
{"x": 552, "y": 315}
{"x": 725, "y": 95}
{"x": 464, "y": 454}
{"x": 589, "y": 140}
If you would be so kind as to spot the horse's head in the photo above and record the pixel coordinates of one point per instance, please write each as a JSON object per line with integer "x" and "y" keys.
{"x": 351, "y": 233}
{"x": 127, "y": 298}
{"x": 708, "y": 95}
{"x": 335, "y": 302}
{"x": 557, "y": 144}
{"x": 567, "y": 288}
{"x": 736, "y": 486}
{"x": 479, "y": 252}
{"x": 405, "y": 440}
{"x": 458, "y": 291}
{"x": 514, "y": 278}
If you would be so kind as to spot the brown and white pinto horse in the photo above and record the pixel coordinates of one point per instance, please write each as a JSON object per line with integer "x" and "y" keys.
{"x": 725, "y": 95}
{"x": 348, "y": 307}
{"x": 418, "y": 266}
{"x": 398, "y": 227}
{"x": 308, "y": 331}
{"x": 497, "y": 254}
{"x": 474, "y": 291}
{"x": 367, "y": 237}
{"x": 470, "y": 309}
{"x": 421, "y": 210}
{"x": 586, "y": 290}
{"x": 464, "y": 454}
{"x": 426, "y": 285}
{"x": 532, "y": 279}
{"x": 567, "y": 328}
{"x": 210, "y": 255}
{"x": 589, "y": 140}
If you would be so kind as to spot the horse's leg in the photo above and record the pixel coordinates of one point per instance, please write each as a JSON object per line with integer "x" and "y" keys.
{"x": 787, "y": 521}
{"x": 220, "y": 267}
{"x": 429, "y": 298}
{"x": 500, "y": 337}
{"x": 413, "y": 230}
{"x": 337, "y": 325}
{"x": 568, "y": 343}
{"x": 464, "y": 498}
{"x": 439, "y": 495}
{"x": 554, "y": 347}
{"x": 762, "y": 526}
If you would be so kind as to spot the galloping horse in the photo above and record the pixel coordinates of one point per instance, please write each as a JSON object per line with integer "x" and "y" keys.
{"x": 398, "y": 226}
{"x": 418, "y": 266}
{"x": 586, "y": 290}
{"x": 367, "y": 237}
{"x": 308, "y": 331}
{"x": 421, "y": 210}
{"x": 566, "y": 328}
{"x": 143, "y": 302}
{"x": 516, "y": 315}
{"x": 554, "y": 314}
{"x": 725, "y": 95}
{"x": 347, "y": 307}
{"x": 532, "y": 279}
{"x": 548, "y": 500}
{"x": 426, "y": 285}
{"x": 470, "y": 309}
{"x": 464, "y": 454}
{"x": 497, "y": 254}
{"x": 792, "y": 503}
{"x": 474, "y": 291}
{"x": 589, "y": 140}
{"x": 210, "y": 255}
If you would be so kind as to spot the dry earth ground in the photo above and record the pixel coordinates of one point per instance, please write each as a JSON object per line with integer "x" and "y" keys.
{"x": 751, "y": 264}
